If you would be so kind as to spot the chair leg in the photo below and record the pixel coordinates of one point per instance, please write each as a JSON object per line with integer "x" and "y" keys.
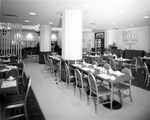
{"x": 75, "y": 89}
{"x": 96, "y": 104}
{"x": 147, "y": 82}
{"x": 80, "y": 89}
{"x": 111, "y": 100}
{"x": 130, "y": 95}
{"x": 88, "y": 100}
{"x": 67, "y": 82}
{"x": 146, "y": 78}
{"x": 25, "y": 110}
{"x": 122, "y": 97}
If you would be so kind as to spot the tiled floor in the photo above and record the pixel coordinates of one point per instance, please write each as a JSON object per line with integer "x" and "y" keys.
{"x": 59, "y": 103}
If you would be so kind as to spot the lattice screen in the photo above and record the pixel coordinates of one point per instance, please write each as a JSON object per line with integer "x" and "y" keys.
{"x": 10, "y": 39}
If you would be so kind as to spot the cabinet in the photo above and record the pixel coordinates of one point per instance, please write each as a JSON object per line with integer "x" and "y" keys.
{"x": 99, "y": 42}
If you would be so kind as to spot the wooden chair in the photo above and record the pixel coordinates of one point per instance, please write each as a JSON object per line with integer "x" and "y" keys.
{"x": 81, "y": 83}
{"x": 98, "y": 92}
{"x": 14, "y": 103}
{"x": 101, "y": 61}
{"x": 147, "y": 75}
{"x": 140, "y": 65}
{"x": 13, "y": 60}
{"x": 70, "y": 78}
{"x": 95, "y": 63}
{"x": 137, "y": 64}
{"x": 133, "y": 63}
{"x": 46, "y": 60}
{"x": 107, "y": 66}
{"x": 52, "y": 66}
{"x": 58, "y": 71}
{"x": 11, "y": 89}
{"x": 113, "y": 64}
{"x": 21, "y": 69}
{"x": 124, "y": 86}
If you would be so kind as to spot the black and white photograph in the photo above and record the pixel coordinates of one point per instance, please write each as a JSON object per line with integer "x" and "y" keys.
{"x": 75, "y": 59}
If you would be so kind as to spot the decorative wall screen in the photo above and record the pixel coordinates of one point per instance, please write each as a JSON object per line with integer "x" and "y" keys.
{"x": 130, "y": 37}
{"x": 10, "y": 39}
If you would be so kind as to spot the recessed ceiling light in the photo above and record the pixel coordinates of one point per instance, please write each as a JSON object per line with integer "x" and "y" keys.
{"x": 86, "y": 5}
{"x": 50, "y": 23}
{"x": 91, "y": 20}
{"x": 113, "y": 23}
{"x": 121, "y": 12}
{"x": 32, "y": 13}
{"x": 131, "y": 25}
{"x": 146, "y": 16}
{"x": 27, "y": 20}
{"x": 93, "y": 23}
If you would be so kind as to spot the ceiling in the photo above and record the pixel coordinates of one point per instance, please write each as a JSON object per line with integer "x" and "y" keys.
{"x": 99, "y": 14}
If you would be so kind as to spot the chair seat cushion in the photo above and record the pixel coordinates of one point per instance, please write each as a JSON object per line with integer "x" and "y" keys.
{"x": 14, "y": 99}
{"x": 103, "y": 90}
{"x": 121, "y": 86}
{"x": 85, "y": 84}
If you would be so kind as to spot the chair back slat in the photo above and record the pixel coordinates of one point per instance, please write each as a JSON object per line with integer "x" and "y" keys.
{"x": 93, "y": 84}
{"x": 27, "y": 88}
{"x": 78, "y": 77}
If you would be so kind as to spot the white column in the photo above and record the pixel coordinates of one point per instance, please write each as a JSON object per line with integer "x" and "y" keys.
{"x": 109, "y": 37}
{"x": 72, "y": 34}
{"x": 45, "y": 39}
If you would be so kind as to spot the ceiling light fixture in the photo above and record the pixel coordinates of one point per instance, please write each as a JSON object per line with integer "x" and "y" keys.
{"x": 32, "y": 13}
{"x": 91, "y": 20}
{"x": 113, "y": 23}
{"x": 27, "y": 20}
{"x": 121, "y": 12}
{"x": 146, "y": 16}
{"x": 50, "y": 23}
{"x": 131, "y": 25}
{"x": 86, "y": 5}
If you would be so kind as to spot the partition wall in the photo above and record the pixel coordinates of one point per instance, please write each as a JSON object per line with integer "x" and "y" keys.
{"x": 11, "y": 39}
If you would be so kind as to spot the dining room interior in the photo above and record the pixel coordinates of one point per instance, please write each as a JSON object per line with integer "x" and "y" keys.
{"x": 61, "y": 59}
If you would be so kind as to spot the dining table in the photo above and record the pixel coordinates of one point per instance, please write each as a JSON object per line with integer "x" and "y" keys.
{"x": 102, "y": 74}
{"x": 146, "y": 58}
{"x": 91, "y": 58}
{"x": 122, "y": 61}
{"x": 8, "y": 85}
